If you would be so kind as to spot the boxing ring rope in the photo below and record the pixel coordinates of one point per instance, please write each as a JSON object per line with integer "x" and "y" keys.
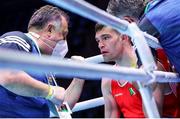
{"x": 70, "y": 69}
{"x": 88, "y": 104}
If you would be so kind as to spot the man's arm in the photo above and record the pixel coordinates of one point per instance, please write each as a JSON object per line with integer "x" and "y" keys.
{"x": 111, "y": 109}
{"x": 73, "y": 92}
{"x": 158, "y": 90}
{"x": 22, "y": 84}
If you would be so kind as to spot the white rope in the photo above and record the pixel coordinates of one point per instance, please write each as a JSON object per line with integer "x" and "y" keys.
{"x": 149, "y": 66}
{"x": 95, "y": 59}
{"x": 68, "y": 68}
{"x": 88, "y": 104}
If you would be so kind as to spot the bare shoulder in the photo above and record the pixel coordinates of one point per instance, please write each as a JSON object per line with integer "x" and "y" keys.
{"x": 106, "y": 85}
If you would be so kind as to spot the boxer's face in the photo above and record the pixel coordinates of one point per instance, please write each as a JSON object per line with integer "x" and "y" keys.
{"x": 109, "y": 43}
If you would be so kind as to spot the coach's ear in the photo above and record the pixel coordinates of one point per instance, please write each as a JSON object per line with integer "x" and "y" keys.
{"x": 129, "y": 19}
{"x": 50, "y": 28}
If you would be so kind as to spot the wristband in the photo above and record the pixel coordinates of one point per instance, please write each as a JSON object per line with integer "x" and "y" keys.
{"x": 50, "y": 93}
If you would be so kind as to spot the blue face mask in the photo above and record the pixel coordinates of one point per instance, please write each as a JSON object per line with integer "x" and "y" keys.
{"x": 61, "y": 49}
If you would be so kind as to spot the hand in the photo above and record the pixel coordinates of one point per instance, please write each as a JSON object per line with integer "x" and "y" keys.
{"x": 58, "y": 95}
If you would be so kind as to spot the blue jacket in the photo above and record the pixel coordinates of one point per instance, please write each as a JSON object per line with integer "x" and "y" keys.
{"x": 163, "y": 21}
{"x": 12, "y": 105}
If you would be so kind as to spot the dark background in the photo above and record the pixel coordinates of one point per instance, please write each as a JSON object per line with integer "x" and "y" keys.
{"x": 15, "y": 14}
